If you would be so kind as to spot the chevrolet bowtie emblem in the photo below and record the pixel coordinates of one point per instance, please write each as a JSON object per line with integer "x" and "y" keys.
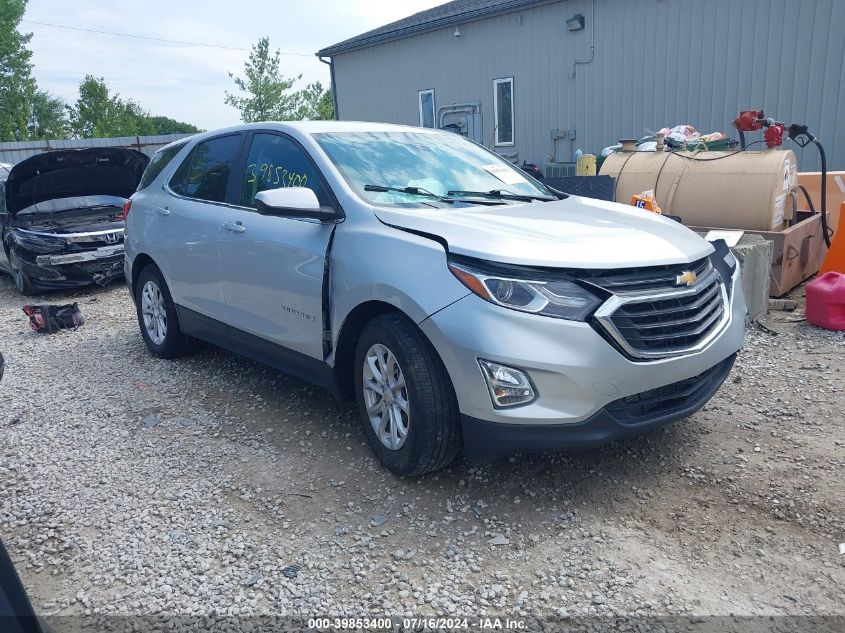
{"x": 686, "y": 278}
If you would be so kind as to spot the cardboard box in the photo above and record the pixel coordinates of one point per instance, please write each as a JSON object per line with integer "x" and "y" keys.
{"x": 798, "y": 251}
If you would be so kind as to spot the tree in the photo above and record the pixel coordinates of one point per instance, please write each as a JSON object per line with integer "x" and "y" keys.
{"x": 325, "y": 106}
{"x": 268, "y": 91}
{"x": 313, "y": 103}
{"x": 29, "y": 113}
{"x": 49, "y": 119}
{"x": 98, "y": 113}
{"x": 17, "y": 87}
{"x": 270, "y": 95}
{"x": 166, "y": 125}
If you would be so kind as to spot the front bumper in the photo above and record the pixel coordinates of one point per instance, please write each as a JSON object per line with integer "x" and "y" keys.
{"x": 105, "y": 252}
{"x": 575, "y": 371}
{"x": 73, "y": 270}
{"x": 488, "y": 440}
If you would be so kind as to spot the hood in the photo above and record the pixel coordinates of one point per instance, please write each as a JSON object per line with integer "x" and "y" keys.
{"x": 571, "y": 233}
{"x": 96, "y": 171}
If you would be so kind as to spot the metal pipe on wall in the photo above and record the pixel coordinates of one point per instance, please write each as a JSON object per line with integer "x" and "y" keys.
{"x": 330, "y": 64}
{"x": 592, "y": 41}
{"x": 472, "y": 108}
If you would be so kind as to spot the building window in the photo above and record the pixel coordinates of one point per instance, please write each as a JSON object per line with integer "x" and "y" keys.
{"x": 503, "y": 106}
{"x": 427, "y": 108}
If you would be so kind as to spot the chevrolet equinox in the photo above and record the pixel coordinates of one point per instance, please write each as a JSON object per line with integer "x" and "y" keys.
{"x": 457, "y": 300}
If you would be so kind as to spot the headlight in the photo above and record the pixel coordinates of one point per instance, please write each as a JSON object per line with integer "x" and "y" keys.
{"x": 38, "y": 243}
{"x": 559, "y": 299}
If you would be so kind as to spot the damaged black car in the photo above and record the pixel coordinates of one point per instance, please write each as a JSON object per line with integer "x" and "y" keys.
{"x": 61, "y": 217}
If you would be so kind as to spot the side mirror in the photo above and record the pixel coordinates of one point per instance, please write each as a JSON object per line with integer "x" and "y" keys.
{"x": 292, "y": 202}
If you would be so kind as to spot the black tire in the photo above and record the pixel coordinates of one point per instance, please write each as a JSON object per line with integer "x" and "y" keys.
{"x": 175, "y": 343}
{"x": 434, "y": 430}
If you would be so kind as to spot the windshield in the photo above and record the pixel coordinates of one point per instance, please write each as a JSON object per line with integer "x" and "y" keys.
{"x": 445, "y": 165}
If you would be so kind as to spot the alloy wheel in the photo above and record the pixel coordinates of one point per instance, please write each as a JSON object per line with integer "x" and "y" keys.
{"x": 154, "y": 312}
{"x": 386, "y": 397}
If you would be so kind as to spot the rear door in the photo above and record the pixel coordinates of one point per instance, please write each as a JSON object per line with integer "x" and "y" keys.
{"x": 272, "y": 268}
{"x": 186, "y": 220}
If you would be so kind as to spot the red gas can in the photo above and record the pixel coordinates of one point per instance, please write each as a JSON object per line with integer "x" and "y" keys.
{"x": 826, "y": 301}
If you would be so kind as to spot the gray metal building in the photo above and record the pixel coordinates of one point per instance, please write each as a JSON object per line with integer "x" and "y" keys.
{"x": 536, "y": 79}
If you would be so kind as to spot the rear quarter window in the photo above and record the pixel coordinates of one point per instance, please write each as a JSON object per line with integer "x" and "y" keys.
{"x": 160, "y": 160}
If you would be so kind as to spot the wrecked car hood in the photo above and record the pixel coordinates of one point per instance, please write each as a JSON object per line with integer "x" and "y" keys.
{"x": 61, "y": 174}
{"x": 572, "y": 233}
{"x": 72, "y": 215}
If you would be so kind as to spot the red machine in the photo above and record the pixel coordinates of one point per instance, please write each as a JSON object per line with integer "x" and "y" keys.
{"x": 754, "y": 120}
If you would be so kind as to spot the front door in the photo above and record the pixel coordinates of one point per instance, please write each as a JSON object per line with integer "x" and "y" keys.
{"x": 273, "y": 268}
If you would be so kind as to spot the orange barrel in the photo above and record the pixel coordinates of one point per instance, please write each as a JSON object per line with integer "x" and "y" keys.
{"x": 835, "y": 259}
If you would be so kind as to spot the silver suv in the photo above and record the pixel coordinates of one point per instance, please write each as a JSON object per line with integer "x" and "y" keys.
{"x": 458, "y": 301}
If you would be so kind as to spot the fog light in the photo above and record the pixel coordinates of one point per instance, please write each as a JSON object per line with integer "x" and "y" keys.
{"x": 508, "y": 387}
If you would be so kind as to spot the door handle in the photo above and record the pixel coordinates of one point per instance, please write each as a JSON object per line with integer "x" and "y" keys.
{"x": 162, "y": 210}
{"x": 234, "y": 227}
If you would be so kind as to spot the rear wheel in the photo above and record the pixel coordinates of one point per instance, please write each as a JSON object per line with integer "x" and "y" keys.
{"x": 406, "y": 402}
{"x": 157, "y": 316}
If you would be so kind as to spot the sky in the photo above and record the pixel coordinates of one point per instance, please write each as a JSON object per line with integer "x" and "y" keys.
{"x": 188, "y": 83}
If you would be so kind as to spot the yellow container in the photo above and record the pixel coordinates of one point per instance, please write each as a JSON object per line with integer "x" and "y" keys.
{"x": 586, "y": 165}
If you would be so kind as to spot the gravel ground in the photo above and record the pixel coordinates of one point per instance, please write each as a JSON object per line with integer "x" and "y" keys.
{"x": 131, "y": 485}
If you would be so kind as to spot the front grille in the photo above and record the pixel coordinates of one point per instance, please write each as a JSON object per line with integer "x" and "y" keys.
{"x": 651, "y": 278}
{"x": 663, "y": 401}
{"x": 661, "y": 324}
{"x": 96, "y": 240}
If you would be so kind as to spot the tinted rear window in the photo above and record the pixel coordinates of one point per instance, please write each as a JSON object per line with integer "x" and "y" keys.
{"x": 204, "y": 174}
{"x": 159, "y": 161}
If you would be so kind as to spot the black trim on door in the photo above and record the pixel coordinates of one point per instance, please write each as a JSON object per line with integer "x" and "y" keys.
{"x": 258, "y": 349}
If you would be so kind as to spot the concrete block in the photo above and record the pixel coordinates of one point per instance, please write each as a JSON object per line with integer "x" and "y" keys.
{"x": 754, "y": 254}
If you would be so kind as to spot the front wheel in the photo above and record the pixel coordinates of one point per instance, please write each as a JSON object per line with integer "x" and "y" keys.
{"x": 22, "y": 280}
{"x": 405, "y": 399}
{"x": 157, "y": 316}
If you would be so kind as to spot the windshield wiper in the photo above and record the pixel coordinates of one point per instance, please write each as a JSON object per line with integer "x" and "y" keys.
{"x": 498, "y": 194}
{"x": 411, "y": 191}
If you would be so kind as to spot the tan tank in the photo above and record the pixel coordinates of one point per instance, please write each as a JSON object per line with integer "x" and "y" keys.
{"x": 733, "y": 190}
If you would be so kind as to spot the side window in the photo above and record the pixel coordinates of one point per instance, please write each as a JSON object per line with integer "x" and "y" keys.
{"x": 2, "y": 199}
{"x": 503, "y": 105}
{"x": 427, "y": 108}
{"x": 204, "y": 174}
{"x": 276, "y": 161}
{"x": 159, "y": 161}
